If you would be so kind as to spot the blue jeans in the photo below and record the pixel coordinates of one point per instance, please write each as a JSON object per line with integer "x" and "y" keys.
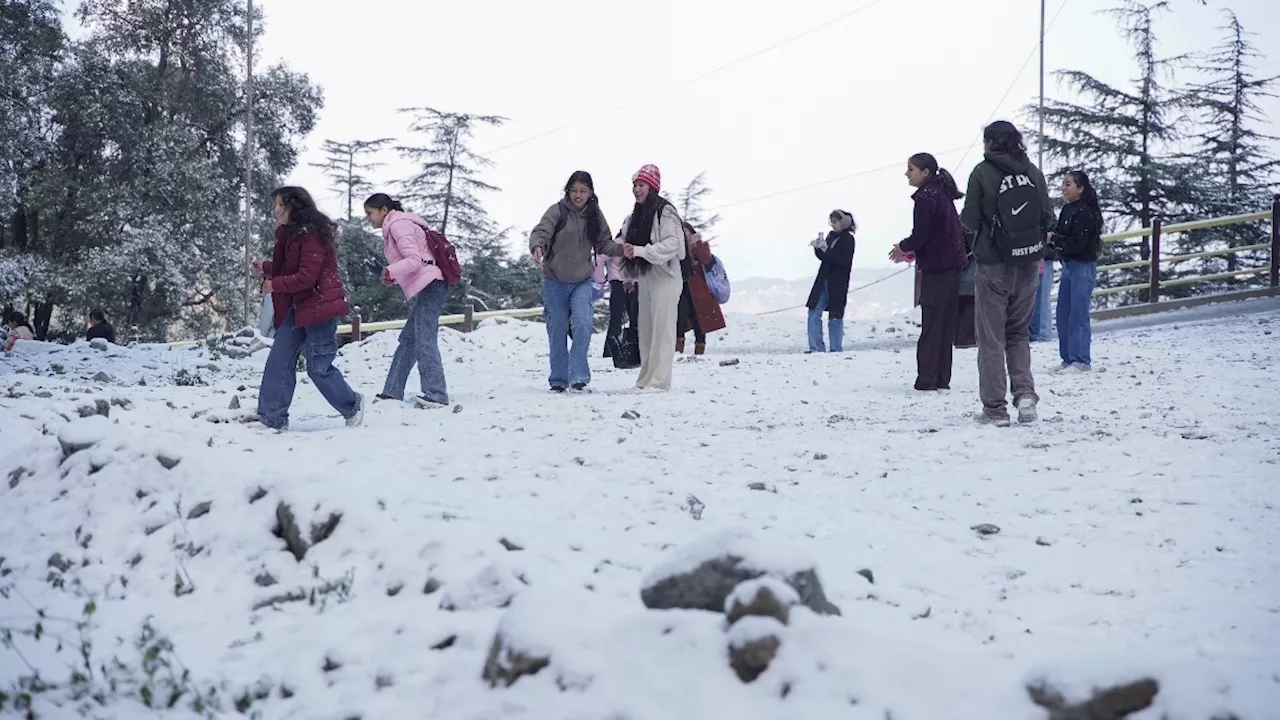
{"x": 1042, "y": 320}
{"x": 564, "y": 303}
{"x": 835, "y": 326}
{"x": 280, "y": 375}
{"x": 1075, "y": 292}
{"x": 419, "y": 344}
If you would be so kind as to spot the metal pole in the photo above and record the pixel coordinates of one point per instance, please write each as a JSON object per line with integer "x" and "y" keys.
{"x": 1040, "y": 148}
{"x": 248, "y": 166}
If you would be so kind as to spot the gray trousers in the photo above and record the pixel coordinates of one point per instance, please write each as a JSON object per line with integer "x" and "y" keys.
{"x": 1004, "y": 300}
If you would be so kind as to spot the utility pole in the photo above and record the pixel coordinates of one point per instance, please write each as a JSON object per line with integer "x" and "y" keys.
{"x": 248, "y": 167}
{"x": 1041, "y": 144}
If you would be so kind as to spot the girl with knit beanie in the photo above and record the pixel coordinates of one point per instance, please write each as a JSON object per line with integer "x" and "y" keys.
{"x": 654, "y": 247}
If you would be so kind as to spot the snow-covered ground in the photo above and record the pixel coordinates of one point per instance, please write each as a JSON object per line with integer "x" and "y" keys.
{"x": 1138, "y": 532}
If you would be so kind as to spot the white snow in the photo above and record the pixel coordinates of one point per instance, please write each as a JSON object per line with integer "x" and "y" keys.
{"x": 746, "y": 592}
{"x": 1152, "y": 479}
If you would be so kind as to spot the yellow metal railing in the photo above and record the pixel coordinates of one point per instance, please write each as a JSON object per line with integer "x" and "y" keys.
{"x": 1158, "y": 230}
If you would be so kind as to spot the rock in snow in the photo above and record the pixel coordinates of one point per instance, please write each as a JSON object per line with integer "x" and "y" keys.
{"x": 701, "y": 575}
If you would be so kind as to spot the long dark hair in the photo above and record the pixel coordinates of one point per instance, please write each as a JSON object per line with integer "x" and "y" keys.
{"x": 383, "y": 201}
{"x": 1088, "y": 195}
{"x": 640, "y": 229}
{"x": 925, "y": 161}
{"x": 304, "y": 216}
{"x": 17, "y": 318}
{"x": 1005, "y": 138}
{"x": 592, "y": 209}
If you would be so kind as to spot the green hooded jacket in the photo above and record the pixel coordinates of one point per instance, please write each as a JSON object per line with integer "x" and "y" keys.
{"x": 980, "y": 200}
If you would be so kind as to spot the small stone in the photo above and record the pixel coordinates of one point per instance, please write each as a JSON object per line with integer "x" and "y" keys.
{"x": 757, "y": 486}
{"x": 753, "y": 643}
{"x": 819, "y": 456}
{"x": 762, "y": 597}
{"x": 729, "y": 363}
{"x": 103, "y": 377}
{"x": 246, "y": 332}
{"x": 510, "y": 546}
{"x": 235, "y": 403}
{"x": 62, "y": 564}
{"x": 200, "y": 510}
{"x": 693, "y": 506}
{"x": 871, "y": 578}
{"x": 505, "y": 665}
{"x": 264, "y": 579}
{"x": 631, "y": 415}
{"x": 830, "y": 608}
{"x": 122, "y": 403}
{"x": 457, "y": 409}
{"x": 1043, "y": 542}
{"x": 431, "y": 586}
{"x": 168, "y": 460}
{"x": 211, "y": 367}
{"x": 985, "y": 529}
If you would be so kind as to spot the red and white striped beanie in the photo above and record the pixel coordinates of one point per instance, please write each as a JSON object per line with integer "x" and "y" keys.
{"x": 649, "y": 175}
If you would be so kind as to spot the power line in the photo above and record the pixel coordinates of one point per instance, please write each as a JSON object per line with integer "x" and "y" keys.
{"x": 968, "y": 149}
{"x": 695, "y": 78}
{"x": 972, "y": 145}
{"x": 1030, "y": 56}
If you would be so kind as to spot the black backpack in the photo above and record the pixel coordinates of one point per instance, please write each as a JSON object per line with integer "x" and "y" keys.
{"x": 1015, "y": 228}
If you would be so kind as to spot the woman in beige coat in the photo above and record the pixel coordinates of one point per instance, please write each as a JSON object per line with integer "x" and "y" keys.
{"x": 654, "y": 247}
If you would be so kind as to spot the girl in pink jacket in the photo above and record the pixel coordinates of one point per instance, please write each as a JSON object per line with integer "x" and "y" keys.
{"x": 411, "y": 267}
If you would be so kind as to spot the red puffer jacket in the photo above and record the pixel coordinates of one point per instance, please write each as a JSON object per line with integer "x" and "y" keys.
{"x": 304, "y": 274}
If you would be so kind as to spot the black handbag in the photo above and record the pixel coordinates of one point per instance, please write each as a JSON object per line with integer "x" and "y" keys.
{"x": 626, "y": 349}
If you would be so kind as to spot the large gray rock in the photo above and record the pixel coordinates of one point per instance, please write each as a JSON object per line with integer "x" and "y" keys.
{"x": 701, "y": 576}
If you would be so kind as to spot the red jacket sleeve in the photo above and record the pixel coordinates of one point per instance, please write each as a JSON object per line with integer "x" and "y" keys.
{"x": 308, "y": 274}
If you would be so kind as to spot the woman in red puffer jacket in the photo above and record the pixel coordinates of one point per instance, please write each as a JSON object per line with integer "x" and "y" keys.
{"x": 307, "y": 295}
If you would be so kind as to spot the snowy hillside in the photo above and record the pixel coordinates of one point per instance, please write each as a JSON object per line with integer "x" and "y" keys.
{"x": 496, "y": 561}
{"x": 874, "y": 293}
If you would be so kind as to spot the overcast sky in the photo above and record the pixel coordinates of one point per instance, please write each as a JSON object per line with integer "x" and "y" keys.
{"x": 852, "y": 99}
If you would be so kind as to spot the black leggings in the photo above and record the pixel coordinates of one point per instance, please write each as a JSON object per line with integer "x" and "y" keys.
{"x": 621, "y": 301}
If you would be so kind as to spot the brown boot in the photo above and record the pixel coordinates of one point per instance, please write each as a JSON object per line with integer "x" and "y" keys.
{"x": 680, "y": 345}
{"x": 699, "y": 348}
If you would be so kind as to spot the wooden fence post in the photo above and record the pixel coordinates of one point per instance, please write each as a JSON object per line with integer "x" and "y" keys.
{"x": 1275, "y": 241}
{"x": 355, "y": 324}
{"x": 468, "y": 317}
{"x": 1155, "y": 261}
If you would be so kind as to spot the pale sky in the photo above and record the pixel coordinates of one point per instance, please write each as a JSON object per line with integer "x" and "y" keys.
{"x": 855, "y": 97}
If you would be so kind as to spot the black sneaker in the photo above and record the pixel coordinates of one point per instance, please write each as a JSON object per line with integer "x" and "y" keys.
{"x": 580, "y": 388}
{"x": 556, "y": 389}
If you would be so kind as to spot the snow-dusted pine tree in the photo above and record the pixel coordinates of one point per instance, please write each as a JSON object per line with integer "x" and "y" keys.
{"x": 344, "y": 165}
{"x": 692, "y": 209}
{"x": 134, "y": 203}
{"x": 446, "y": 191}
{"x": 1236, "y": 162}
{"x": 1125, "y": 138}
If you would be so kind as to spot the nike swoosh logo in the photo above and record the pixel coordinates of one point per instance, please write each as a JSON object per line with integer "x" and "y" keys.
{"x": 1022, "y": 207}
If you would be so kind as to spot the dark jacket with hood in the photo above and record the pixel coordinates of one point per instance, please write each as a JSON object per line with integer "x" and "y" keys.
{"x": 837, "y": 264}
{"x": 980, "y": 200}
{"x": 1078, "y": 237}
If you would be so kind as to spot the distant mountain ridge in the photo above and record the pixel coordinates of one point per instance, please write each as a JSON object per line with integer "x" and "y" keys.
{"x": 892, "y": 294}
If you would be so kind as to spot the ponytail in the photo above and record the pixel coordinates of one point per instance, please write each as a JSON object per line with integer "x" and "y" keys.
{"x": 949, "y": 184}
{"x": 925, "y": 161}
{"x": 383, "y": 201}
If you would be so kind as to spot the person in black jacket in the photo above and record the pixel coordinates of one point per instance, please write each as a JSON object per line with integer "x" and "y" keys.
{"x": 831, "y": 288}
{"x": 99, "y": 327}
{"x": 1078, "y": 241}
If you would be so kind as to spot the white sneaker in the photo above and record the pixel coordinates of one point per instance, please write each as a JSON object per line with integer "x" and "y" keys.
{"x": 357, "y": 418}
{"x": 423, "y": 403}
{"x": 1027, "y": 410}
